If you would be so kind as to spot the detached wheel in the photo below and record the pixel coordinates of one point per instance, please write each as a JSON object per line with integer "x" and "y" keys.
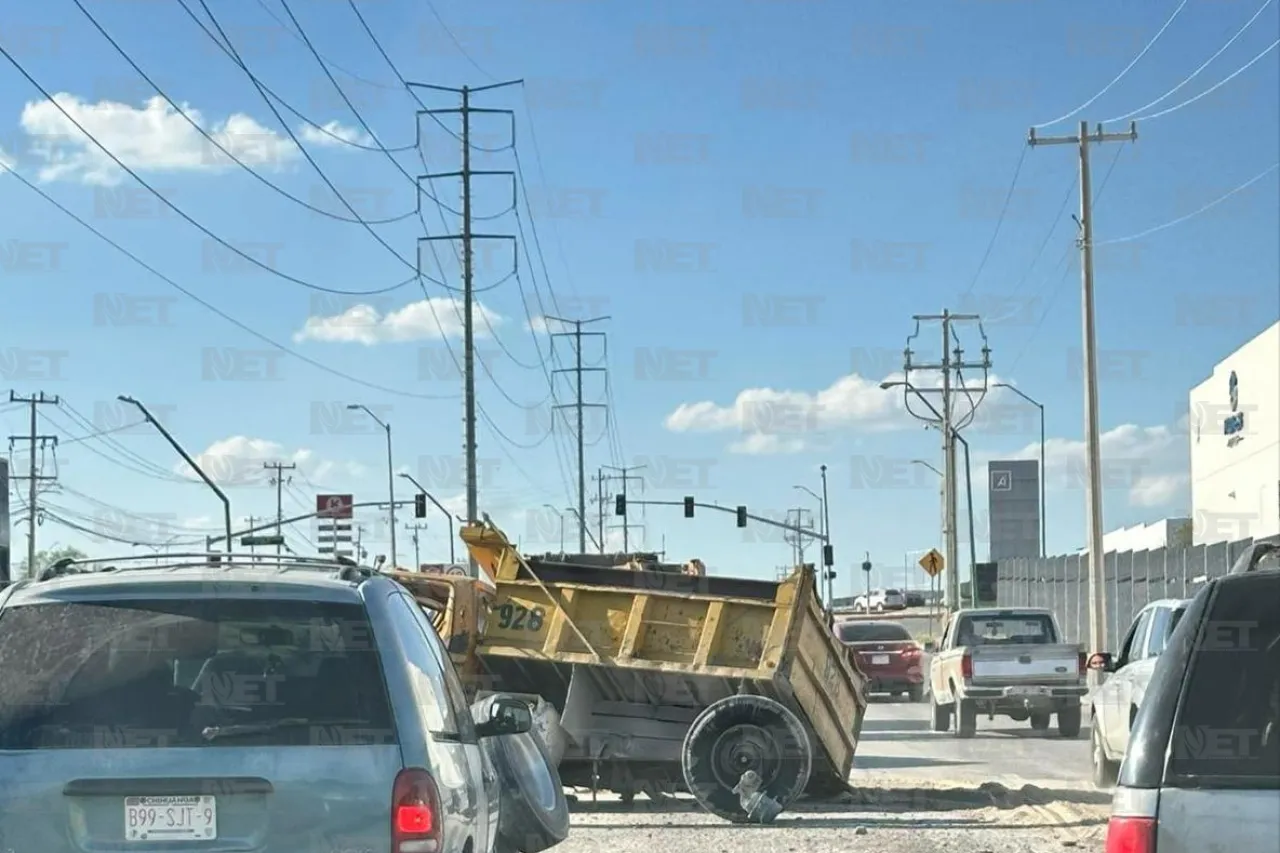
{"x": 535, "y": 812}
{"x": 1069, "y": 720}
{"x": 916, "y": 693}
{"x": 741, "y": 733}
{"x": 940, "y": 716}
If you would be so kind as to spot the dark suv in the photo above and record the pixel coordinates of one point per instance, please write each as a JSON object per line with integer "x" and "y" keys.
{"x": 1202, "y": 771}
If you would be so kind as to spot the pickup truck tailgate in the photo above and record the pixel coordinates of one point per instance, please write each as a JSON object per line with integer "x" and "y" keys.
{"x": 1040, "y": 664}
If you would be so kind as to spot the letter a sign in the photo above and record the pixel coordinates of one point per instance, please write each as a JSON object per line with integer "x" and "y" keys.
{"x": 932, "y": 563}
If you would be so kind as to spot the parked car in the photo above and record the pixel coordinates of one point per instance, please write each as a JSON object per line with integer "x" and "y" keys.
{"x": 887, "y": 654}
{"x": 1202, "y": 770}
{"x": 915, "y": 599}
{"x": 1115, "y": 704}
{"x": 1007, "y": 661}
{"x": 275, "y": 707}
{"x": 879, "y": 601}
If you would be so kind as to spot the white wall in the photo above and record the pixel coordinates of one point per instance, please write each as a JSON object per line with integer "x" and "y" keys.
{"x": 1147, "y": 537}
{"x": 1235, "y": 479}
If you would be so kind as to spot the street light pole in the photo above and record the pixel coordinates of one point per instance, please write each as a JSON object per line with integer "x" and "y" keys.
{"x": 391, "y": 477}
{"x": 1044, "y": 548}
{"x": 226, "y": 502}
{"x": 448, "y": 515}
{"x": 829, "y": 570}
{"x": 559, "y": 515}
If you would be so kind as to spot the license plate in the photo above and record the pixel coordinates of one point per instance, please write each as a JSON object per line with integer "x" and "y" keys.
{"x": 193, "y": 818}
{"x": 879, "y": 660}
{"x": 1027, "y": 691}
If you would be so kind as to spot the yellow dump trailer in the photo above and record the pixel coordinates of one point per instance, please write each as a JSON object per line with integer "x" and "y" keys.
{"x": 733, "y": 689}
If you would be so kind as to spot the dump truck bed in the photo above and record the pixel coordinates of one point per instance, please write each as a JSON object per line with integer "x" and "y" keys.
{"x": 631, "y": 658}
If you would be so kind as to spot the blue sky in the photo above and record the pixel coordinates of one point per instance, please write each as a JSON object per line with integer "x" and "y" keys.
{"x": 759, "y": 194}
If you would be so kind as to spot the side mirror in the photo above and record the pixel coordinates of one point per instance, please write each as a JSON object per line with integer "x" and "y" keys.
{"x": 1102, "y": 662}
{"x": 507, "y": 716}
{"x": 930, "y": 647}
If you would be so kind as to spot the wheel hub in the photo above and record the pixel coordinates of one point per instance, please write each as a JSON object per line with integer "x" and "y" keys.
{"x": 743, "y": 748}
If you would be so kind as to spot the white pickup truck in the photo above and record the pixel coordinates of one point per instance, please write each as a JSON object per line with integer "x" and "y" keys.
{"x": 1007, "y": 661}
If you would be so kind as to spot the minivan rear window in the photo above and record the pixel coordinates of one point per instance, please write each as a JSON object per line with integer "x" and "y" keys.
{"x": 190, "y": 673}
{"x": 1227, "y": 731}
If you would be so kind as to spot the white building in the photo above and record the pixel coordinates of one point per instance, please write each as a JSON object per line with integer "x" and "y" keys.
{"x": 1166, "y": 533}
{"x": 1234, "y": 422}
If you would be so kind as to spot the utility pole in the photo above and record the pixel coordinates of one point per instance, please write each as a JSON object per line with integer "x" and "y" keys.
{"x": 952, "y": 366}
{"x": 600, "y": 509}
{"x": 1093, "y": 490}
{"x": 797, "y": 540}
{"x": 279, "y": 481}
{"x": 35, "y": 441}
{"x": 415, "y": 528}
{"x": 577, "y": 334}
{"x": 625, "y": 476}
{"x": 468, "y": 269}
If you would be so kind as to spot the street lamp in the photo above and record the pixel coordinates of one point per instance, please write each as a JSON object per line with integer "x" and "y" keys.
{"x": 560, "y": 515}
{"x": 226, "y": 502}
{"x": 590, "y": 535}
{"x": 448, "y": 515}
{"x": 391, "y": 479}
{"x": 822, "y": 528}
{"x": 1044, "y": 549}
{"x": 927, "y": 465}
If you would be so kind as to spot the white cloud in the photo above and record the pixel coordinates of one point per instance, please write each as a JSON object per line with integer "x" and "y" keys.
{"x": 1159, "y": 490}
{"x": 309, "y": 133}
{"x": 238, "y": 461}
{"x": 541, "y": 325}
{"x": 427, "y": 319}
{"x": 783, "y": 421}
{"x": 153, "y": 138}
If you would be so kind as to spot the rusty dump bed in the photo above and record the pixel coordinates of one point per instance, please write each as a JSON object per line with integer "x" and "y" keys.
{"x": 629, "y": 659}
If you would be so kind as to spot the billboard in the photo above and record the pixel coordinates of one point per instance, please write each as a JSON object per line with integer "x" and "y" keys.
{"x": 1013, "y": 508}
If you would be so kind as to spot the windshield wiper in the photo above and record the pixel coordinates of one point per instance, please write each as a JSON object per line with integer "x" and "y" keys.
{"x": 210, "y": 733}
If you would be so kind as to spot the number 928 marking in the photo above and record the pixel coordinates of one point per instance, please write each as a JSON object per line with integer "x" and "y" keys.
{"x": 516, "y": 617}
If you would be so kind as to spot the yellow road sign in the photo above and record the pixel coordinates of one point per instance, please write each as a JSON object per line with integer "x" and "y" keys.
{"x": 933, "y": 563}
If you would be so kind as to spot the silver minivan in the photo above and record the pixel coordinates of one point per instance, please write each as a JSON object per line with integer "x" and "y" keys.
{"x": 1202, "y": 771}
{"x": 264, "y": 708}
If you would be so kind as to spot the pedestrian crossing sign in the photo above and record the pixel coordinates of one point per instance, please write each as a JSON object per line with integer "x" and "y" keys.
{"x": 933, "y": 563}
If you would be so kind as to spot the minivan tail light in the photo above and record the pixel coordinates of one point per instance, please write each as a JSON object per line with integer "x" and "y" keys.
{"x": 966, "y": 667}
{"x": 415, "y": 813}
{"x": 1131, "y": 835}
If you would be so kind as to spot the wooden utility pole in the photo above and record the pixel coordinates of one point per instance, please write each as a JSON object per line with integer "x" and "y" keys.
{"x": 278, "y": 481}
{"x": 1093, "y": 457}
{"x": 35, "y": 442}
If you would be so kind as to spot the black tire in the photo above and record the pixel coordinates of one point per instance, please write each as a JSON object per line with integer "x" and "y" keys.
{"x": 916, "y": 693}
{"x": 966, "y": 718}
{"x": 1069, "y": 720}
{"x": 1105, "y": 770}
{"x": 1040, "y": 722}
{"x": 940, "y": 716}
{"x": 740, "y": 733}
{"x": 535, "y": 812}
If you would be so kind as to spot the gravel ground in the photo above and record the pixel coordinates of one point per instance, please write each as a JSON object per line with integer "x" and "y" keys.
{"x": 897, "y": 819}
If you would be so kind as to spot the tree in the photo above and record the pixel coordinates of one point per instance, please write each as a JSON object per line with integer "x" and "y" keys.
{"x": 44, "y": 559}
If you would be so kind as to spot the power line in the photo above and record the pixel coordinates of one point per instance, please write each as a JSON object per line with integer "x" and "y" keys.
{"x": 1121, "y": 75}
{"x": 1004, "y": 208}
{"x": 1195, "y": 73}
{"x": 1189, "y": 101}
{"x": 1219, "y": 200}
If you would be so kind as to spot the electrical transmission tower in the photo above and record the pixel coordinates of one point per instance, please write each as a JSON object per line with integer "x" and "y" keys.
{"x": 1093, "y": 456}
{"x": 467, "y": 236}
{"x": 578, "y": 370}
{"x": 796, "y": 540}
{"x": 35, "y": 442}
{"x": 951, "y": 366}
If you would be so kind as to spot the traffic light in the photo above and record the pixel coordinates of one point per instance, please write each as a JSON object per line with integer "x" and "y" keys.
{"x": 620, "y": 505}
{"x": 688, "y": 507}
{"x": 420, "y": 505}
{"x": 866, "y": 565}
{"x": 828, "y": 556}
{"x": 742, "y": 516}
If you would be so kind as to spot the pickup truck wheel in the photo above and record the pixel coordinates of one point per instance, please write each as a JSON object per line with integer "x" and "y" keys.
{"x": 916, "y": 693}
{"x": 741, "y": 733}
{"x": 966, "y": 719}
{"x": 1105, "y": 770}
{"x": 940, "y": 716}
{"x": 1069, "y": 720}
{"x": 1040, "y": 722}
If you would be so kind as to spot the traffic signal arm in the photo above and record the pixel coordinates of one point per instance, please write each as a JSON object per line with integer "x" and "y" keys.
{"x": 734, "y": 511}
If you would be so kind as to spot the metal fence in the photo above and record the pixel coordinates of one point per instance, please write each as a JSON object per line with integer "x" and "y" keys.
{"x": 1131, "y": 580}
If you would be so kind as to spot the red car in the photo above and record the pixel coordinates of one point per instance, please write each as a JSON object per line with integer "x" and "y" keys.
{"x": 887, "y": 655}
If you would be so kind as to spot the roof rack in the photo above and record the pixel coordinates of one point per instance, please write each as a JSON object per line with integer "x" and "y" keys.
{"x": 345, "y": 567}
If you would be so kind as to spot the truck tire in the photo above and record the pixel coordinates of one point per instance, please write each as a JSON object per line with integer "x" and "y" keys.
{"x": 1040, "y": 722}
{"x": 940, "y": 716}
{"x": 741, "y": 733}
{"x": 1069, "y": 719}
{"x": 966, "y": 718}
{"x": 916, "y": 693}
{"x": 535, "y": 812}
{"x": 1105, "y": 770}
